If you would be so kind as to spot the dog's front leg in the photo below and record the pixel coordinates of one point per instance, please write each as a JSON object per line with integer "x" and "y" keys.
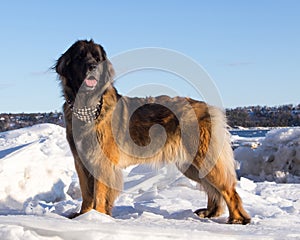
{"x": 106, "y": 189}
{"x": 86, "y": 181}
{"x": 101, "y": 191}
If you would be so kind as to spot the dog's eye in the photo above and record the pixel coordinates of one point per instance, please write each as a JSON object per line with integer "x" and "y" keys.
{"x": 80, "y": 57}
{"x": 98, "y": 59}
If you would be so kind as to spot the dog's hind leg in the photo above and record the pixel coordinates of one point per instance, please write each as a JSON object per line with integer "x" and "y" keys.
{"x": 219, "y": 182}
{"x": 215, "y": 201}
{"x": 215, "y": 163}
{"x": 226, "y": 186}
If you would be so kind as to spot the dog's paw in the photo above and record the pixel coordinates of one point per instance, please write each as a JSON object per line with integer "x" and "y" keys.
{"x": 202, "y": 213}
{"x": 242, "y": 221}
{"x": 208, "y": 213}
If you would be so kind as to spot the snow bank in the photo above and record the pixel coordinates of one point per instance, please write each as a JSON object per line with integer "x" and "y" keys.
{"x": 276, "y": 158}
{"x": 36, "y": 165}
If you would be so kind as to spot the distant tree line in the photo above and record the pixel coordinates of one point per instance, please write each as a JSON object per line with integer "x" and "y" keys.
{"x": 253, "y": 116}
{"x": 11, "y": 121}
{"x": 263, "y": 116}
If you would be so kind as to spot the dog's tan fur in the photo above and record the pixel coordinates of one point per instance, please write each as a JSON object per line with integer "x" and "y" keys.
{"x": 99, "y": 159}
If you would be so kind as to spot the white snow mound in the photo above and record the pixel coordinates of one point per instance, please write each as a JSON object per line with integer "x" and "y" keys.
{"x": 277, "y": 158}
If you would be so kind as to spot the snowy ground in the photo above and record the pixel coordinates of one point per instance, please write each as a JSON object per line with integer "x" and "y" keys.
{"x": 39, "y": 187}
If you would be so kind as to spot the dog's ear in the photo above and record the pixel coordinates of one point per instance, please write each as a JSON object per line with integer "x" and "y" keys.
{"x": 110, "y": 69}
{"x": 62, "y": 64}
{"x": 108, "y": 64}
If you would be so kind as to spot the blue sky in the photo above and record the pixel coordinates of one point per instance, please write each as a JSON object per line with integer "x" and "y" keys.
{"x": 251, "y": 49}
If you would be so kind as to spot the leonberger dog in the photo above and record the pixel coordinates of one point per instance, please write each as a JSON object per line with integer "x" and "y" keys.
{"x": 108, "y": 132}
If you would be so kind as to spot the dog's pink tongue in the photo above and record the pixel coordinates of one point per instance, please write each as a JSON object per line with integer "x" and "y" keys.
{"x": 91, "y": 82}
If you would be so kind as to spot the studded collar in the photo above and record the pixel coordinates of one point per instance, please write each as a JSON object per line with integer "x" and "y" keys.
{"x": 86, "y": 114}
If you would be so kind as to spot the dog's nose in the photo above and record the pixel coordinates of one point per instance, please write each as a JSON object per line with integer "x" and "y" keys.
{"x": 92, "y": 66}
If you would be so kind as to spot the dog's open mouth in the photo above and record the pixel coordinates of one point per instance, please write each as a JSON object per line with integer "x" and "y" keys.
{"x": 91, "y": 81}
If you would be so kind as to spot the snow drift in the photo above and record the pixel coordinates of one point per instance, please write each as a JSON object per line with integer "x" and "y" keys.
{"x": 277, "y": 157}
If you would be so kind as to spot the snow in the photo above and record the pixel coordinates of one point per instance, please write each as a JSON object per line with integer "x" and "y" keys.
{"x": 39, "y": 187}
{"x": 275, "y": 157}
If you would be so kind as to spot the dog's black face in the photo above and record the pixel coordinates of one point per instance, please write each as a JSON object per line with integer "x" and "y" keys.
{"x": 84, "y": 65}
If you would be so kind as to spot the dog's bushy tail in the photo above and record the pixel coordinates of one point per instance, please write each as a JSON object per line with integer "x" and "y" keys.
{"x": 219, "y": 150}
